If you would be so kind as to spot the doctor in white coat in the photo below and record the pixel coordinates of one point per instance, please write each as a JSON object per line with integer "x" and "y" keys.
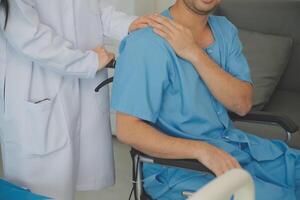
{"x": 55, "y": 130}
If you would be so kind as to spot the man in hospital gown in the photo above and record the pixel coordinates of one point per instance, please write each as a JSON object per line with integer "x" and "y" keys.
{"x": 173, "y": 93}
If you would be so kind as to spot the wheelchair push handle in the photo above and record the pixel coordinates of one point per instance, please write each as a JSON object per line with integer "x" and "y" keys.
{"x": 110, "y": 65}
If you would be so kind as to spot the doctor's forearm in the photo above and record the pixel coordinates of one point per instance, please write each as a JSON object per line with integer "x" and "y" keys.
{"x": 234, "y": 94}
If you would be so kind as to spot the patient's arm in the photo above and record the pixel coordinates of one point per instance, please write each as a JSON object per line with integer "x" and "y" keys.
{"x": 233, "y": 93}
{"x": 149, "y": 140}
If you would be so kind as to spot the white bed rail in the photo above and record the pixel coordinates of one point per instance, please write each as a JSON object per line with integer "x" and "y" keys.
{"x": 236, "y": 182}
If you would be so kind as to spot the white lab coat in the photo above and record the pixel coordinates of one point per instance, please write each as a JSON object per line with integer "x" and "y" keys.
{"x": 56, "y": 134}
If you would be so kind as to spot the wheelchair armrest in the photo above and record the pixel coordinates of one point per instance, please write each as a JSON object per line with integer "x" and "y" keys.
{"x": 184, "y": 164}
{"x": 258, "y": 116}
{"x": 179, "y": 163}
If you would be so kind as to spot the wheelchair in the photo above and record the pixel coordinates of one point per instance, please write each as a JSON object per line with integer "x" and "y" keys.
{"x": 138, "y": 158}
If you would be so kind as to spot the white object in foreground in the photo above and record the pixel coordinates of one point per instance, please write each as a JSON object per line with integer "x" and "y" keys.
{"x": 236, "y": 182}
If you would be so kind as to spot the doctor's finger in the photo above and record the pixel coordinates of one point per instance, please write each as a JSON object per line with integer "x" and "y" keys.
{"x": 143, "y": 20}
{"x": 163, "y": 34}
{"x": 156, "y": 24}
{"x": 172, "y": 22}
{"x": 162, "y": 28}
{"x": 165, "y": 20}
{"x": 147, "y": 19}
{"x": 142, "y": 25}
{"x": 160, "y": 21}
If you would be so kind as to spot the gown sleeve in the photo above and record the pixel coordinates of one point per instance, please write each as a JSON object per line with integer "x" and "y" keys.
{"x": 141, "y": 78}
{"x": 237, "y": 64}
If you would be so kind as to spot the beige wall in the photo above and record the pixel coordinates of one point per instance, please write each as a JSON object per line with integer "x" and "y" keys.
{"x": 141, "y": 7}
{"x": 149, "y": 6}
{"x": 161, "y": 5}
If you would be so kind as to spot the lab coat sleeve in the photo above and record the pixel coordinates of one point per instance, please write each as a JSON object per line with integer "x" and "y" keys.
{"x": 116, "y": 24}
{"x": 41, "y": 44}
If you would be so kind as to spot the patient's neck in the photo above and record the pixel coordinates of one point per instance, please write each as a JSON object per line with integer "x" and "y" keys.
{"x": 185, "y": 16}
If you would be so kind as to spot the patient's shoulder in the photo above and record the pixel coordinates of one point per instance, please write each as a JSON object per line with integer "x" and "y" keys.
{"x": 143, "y": 54}
{"x": 144, "y": 41}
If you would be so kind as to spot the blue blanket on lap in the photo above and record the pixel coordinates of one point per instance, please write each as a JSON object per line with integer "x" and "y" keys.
{"x": 9, "y": 191}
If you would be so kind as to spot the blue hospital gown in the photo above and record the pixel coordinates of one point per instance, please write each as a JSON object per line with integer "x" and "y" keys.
{"x": 153, "y": 84}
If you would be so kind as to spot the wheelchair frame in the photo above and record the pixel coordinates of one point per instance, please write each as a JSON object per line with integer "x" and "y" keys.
{"x": 138, "y": 158}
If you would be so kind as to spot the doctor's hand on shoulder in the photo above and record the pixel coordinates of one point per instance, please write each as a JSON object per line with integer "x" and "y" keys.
{"x": 142, "y": 22}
